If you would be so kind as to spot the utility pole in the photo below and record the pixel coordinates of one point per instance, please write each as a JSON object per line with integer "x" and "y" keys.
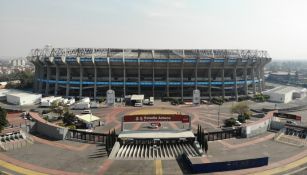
{"x": 218, "y": 116}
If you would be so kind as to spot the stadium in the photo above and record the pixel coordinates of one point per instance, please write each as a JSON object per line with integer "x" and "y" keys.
{"x": 159, "y": 73}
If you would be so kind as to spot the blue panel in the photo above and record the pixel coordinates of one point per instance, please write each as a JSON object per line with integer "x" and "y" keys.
{"x": 232, "y": 60}
{"x": 205, "y": 60}
{"x": 61, "y": 82}
{"x": 132, "y": 60}
{"x": 101, "y": 59}
{"x": 216, "y": 83}
{"x": 71, "y": 59}
{"x": 86, "y": 59}
{"x": 188, "y": 83}
{"x": 174, "y": 83}
{"x": 219, "y": 60}
{"x": 146, "y": 60}
{"x": 160, "y": 83}
{"x": 160, "y": 60}
{"x": 102, "y": 83}
{"x": 74, "y": 82}
{"x": 117, "y": 83}
{"x": 202, "y": 83}
{"x": 132, "y": 83}
{"x": 146, "y": 83}
{"x": 175, "y": 60}
{"x": 88, "y": 82}
{"x": 189, "y": 60}
{"x": 229, "y": 82}
{"x": 116, "y": 60}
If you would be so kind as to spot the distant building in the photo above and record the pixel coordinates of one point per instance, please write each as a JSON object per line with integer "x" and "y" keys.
{"x": 18, "y": 62}
{"x": 285, "y": 94}
{"x": 284, "y": 77}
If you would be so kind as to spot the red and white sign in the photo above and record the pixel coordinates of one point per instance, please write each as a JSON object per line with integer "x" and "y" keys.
{"x": 157, "y": 118}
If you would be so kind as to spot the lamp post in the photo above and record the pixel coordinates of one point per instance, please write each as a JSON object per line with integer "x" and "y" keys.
{"x": 218, "y": 116}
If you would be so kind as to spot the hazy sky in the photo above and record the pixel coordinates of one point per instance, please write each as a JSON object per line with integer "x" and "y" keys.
{"x": 279, "y": 26}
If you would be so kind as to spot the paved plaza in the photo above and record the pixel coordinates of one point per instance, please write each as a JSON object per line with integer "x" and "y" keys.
{"x": 69, "y": 157}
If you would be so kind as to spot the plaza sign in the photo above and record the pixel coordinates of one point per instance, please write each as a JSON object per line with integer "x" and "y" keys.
{"x": 157, "y": 118}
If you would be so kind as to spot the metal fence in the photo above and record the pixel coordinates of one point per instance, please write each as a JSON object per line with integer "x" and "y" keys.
{"x": 87, "y": 137}
{"x": 196, "y": 168}
{"x": 220, "y": 135}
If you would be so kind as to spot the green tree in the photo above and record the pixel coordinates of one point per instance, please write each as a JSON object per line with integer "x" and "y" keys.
{"x": 230, "y": 122}
{"x": 240, "y": 108}
{"x": 3, "y": 121}
{"x": 68, "y": 118}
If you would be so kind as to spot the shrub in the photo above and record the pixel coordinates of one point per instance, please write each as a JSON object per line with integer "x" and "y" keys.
{"x": 217, "y": 100}
{"x": 230, "y": 122}
{"x": 71, "y": 127}
{"x": 241, "y": 118}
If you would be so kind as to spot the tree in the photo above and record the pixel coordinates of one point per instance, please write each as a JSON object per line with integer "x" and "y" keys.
{"x": 240, "y": 108}
{"x": 68, "y": 118}
{"x": 3, "y": 121}
{"x": 230, "y": 122}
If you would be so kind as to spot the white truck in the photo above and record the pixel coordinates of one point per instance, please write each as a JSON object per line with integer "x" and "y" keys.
{"x": 81, "y": 105}
{"x": 151, "y": 100}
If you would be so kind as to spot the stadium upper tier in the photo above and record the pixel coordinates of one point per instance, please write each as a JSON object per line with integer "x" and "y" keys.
{"x": 95, "y": 54}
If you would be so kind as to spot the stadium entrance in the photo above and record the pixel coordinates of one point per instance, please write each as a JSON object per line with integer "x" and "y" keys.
{"x": 160, "y": 136}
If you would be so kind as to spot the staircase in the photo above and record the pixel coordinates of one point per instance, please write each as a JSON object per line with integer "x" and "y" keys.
{"x": 291, "y": 138}
{"x": 15, "y": 140}
{"x": 151, "y": 152}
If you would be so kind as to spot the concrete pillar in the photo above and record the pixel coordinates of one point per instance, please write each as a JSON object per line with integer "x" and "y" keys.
{"x": 139, "y": 77}
{"x": 209, "y": 80}
{"x": 253, "y": 77}
{"x": 223, "y": 81}
{"x": 153, "y": 79}
{"x": 259, "y": 77}
{"x": 236, "y": 84}
{"x": 196, "y": 72}
{"x": 181, "y": 73}
{"x": 167, "y": 79}
{"x": 110, "y": 77}
{"x": 95, "y": 82}
{"x": 81, "y": 82}
{"x": 35, "y": 87}
{"x": 262, "y": 77}
{"x": 245, "y": 81}
{"x": 41, "y": 77}
{"x": 47, "y": 82}
{"x": 57, "y": 74}
{"x": 67, "y": 80}
{"x": 124, "y": 86}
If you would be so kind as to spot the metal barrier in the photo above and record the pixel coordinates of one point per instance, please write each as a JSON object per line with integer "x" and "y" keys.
{"x": 88, "y": 137}
{"x": 220, "y": 135}
{"x": 223, "y": 166}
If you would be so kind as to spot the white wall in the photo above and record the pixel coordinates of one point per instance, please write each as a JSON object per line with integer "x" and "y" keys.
{"x": 23, "y": 99}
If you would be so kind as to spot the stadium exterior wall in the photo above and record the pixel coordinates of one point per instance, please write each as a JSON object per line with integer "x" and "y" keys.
{"x": 159, "y": 73}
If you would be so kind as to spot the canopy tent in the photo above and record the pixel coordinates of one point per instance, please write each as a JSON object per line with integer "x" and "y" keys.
{"x": 88, "y": 118}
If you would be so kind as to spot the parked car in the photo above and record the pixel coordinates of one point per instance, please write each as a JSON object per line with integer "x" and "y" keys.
{"x": 86, "y": 112}
{"x": 238, "y": 123}
{"x": 291, "y": 122}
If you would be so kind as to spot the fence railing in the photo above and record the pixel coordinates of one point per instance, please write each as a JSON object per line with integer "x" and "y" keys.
{"x": 220, "y": 135}
{"x": 87, "y": 137}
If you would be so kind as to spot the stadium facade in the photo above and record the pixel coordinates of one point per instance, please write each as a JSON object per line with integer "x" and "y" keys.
{"x": 90, "y": 72}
